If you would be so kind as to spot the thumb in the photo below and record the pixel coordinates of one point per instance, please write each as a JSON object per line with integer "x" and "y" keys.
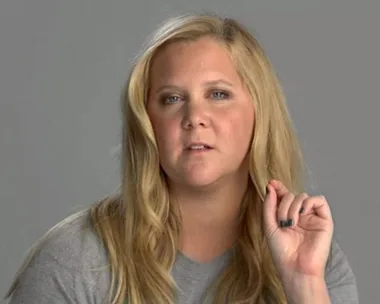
{"x": 270, "y": 210}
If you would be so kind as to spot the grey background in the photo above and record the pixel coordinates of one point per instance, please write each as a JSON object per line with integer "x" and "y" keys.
{"x": 62, "y": 66}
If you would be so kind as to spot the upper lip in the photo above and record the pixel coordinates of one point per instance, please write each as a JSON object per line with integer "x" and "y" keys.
{"x": 198, "y": 143}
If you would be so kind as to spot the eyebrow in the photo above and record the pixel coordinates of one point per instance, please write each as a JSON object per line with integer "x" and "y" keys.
{"x": 218, "y": 81}
{"x": 205, "y": 84}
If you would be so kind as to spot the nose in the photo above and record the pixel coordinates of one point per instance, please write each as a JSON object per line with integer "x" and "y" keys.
{"x": 195, "y": 115}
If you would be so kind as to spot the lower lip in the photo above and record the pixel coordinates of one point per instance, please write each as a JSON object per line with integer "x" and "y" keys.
{"x": 196, "y": 151}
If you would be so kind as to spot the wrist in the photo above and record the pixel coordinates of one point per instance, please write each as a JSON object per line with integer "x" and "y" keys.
{"x": 306, "y": 289}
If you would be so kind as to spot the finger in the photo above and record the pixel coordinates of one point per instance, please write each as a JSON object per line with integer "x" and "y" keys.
{"x": 280, "y": 188}
{"x": 317, "y": 205}
{"x": 270, "y": 209}
{"x": 283, "y": 209}
{"x": 295, "y": 208}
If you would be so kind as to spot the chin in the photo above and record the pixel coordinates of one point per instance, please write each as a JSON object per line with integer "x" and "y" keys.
{"x": 200, "y": 179}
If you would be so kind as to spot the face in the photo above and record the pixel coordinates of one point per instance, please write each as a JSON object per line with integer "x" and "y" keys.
{"x": 201, "y": 113}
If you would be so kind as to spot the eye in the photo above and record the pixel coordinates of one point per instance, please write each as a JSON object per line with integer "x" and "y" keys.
{"x": 219, "y": 95}
{"x": 170, "y": 99}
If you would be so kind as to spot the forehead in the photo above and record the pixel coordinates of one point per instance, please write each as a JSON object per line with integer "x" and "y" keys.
{"x": 193, "y": 58}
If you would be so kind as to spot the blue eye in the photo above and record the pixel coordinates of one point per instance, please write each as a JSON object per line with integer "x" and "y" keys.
{"x": 170, "y": 99}
{"x": 219, "y": 95}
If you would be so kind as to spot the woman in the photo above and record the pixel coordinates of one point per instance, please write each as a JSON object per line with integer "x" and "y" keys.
{"x": 212, "y": 208}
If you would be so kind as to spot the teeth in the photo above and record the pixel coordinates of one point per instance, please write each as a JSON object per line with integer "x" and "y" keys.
{"x": 198, "y": 147}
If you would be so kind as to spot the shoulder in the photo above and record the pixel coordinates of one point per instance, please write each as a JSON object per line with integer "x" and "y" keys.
{"x": 69, "y": 265}
{"x": 340, "y": 278}
{"x": 74, "y": 243}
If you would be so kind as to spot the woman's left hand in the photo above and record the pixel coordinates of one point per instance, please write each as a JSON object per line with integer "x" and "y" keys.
{"x": 299, "y": 232}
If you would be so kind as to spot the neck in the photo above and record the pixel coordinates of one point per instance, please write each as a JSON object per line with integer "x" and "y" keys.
{"x": 210, "y": 217}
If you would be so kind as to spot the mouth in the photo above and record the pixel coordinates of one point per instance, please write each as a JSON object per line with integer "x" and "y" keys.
{"x": 199, "y": 147}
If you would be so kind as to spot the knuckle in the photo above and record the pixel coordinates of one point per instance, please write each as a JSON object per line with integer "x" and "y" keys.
{"x": 290, "y": 195}
{"x": 319, "y": 198}
{"x": 303, "y": 194}
{"x": 315, "y": 199}
{"x": 309, "y": 200}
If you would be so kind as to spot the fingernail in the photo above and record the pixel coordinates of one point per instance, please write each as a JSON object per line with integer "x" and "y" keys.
{"x": 283, "y": 223}
{"x": 289, "y": 223}
{"x": 302, "y": 210}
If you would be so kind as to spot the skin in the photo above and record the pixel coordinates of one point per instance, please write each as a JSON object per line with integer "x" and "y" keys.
{"x": 299, "y": 251}
{"x": 196, "y": 95}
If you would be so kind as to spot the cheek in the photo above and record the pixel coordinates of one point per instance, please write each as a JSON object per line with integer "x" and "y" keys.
{"x": 238, "y": 129}
{"x": 240, "y": 123}
{"x": 166, "y": 133}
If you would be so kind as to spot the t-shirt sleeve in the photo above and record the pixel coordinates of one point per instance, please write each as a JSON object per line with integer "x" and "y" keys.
{"x": 70, "y": 267}
{"x": 340, "y": 279}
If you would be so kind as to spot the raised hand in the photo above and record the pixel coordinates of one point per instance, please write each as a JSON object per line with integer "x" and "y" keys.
{"x": 299, "y": 231}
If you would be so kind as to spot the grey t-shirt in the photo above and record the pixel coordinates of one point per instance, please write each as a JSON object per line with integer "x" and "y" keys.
{"x": 72, "y": 268}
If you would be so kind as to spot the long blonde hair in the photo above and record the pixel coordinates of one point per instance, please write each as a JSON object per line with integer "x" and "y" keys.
{"x": 140, "y": 225}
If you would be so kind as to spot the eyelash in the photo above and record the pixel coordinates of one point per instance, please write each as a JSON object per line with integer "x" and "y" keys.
{"x": 226, "y": 95}
{"x": 165, "y": 98}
